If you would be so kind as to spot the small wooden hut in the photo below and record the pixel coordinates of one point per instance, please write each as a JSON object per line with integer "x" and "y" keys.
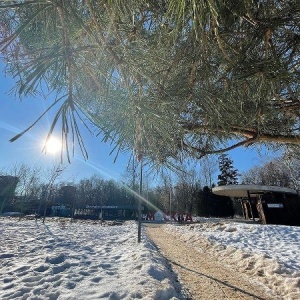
{"x": 269, "y": 204}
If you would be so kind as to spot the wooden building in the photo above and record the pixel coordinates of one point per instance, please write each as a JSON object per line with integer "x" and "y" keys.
{"x": 269, "y": 204}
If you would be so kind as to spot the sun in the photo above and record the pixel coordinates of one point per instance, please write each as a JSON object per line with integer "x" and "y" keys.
{"x": 52, "y": 145}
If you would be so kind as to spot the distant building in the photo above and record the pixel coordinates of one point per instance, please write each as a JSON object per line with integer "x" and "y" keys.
{"x": 107, "y": 212}
{"x": 8, "y": 185}
{"x": 61, "y": 211}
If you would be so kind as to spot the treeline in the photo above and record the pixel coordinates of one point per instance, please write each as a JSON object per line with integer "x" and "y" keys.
{"x": 182, "y": 198}
{"x": 35, "y": 197}
{"x": 94, "y": 191}
{"x": 189, "y": 192}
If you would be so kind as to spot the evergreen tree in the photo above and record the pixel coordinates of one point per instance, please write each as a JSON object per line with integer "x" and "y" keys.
{"x": 211, "y": 205}
{"x": 223, "y": 206}
{"x": 204, "y": 202}
{"x": 164, "y": 78}
{"x": 229, "y": 175}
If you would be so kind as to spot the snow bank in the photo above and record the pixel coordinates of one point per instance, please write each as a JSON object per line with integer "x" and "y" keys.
{"x": 81, "y": 260}
{"x": 268, "y": 253}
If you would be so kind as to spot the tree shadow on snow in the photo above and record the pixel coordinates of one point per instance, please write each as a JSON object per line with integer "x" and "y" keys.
{"x": 218, "y": 281}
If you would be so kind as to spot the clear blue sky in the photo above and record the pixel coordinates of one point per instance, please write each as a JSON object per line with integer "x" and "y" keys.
{"x": 16, "y": 115}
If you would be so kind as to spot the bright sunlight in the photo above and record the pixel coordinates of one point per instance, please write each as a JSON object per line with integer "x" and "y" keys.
{"x": 53, "y": 145}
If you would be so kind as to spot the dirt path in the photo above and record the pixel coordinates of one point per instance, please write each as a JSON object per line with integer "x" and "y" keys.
{"x": 201, "y": 274}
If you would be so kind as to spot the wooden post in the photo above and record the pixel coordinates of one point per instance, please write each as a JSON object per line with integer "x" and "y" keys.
{"x": 261, "y": 213}
{"x": 243, "y": 208}
{"x": 249, "y": 200}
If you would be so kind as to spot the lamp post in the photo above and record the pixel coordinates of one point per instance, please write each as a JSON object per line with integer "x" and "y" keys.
{"x": 170, "y": 202}
{"x": 140, "y": 202}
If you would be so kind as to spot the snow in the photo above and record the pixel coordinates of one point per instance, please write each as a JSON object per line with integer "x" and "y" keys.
{"x": 268, "y": 253}
{"x": 84, "y": 260}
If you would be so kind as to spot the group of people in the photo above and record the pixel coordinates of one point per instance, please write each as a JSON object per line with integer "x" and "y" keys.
{"x": 180, "y": 218}
{"x": 160, "y": 216}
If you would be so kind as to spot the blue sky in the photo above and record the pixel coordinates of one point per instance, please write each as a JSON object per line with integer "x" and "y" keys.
{"x": 17, "y": 115}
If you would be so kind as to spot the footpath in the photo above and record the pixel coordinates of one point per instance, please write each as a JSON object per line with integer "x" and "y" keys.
{"x": 202, "y": 275}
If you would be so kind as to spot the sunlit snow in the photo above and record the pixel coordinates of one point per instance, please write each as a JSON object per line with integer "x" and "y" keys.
{"x": 268, "y": 253}
{"x": 80, "y": 261}
{"x": 84, "y": 260}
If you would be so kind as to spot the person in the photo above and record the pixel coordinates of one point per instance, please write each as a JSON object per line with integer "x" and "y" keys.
{"x": 101, "y": 217}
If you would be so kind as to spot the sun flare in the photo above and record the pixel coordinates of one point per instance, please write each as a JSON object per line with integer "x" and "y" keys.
{"x": 53, "y": 145}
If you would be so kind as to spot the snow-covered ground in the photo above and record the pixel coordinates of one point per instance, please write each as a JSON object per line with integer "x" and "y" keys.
{"x": 268, "y": 253}
{"x": 84, "y": 260}
{"x": 80, "y": 261}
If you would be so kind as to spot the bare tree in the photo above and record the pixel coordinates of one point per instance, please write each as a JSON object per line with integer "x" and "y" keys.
{"x": 274, "y": 172}
{"x": 52, "y": 175}
{"x": 209, "y": 166}
{"x": 185, "y": 190}
{"x": 291, "y": 159}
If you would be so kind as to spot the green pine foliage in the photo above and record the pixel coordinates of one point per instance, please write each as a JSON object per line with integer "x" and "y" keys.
{"x": 228, "y": 174}
{"x": 211, "y": 205}
{"x": 168, "y": 79}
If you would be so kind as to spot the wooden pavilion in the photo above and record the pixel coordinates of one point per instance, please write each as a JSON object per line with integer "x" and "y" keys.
{"x": 269, "y": 204}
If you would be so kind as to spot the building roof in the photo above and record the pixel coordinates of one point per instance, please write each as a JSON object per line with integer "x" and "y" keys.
{"x": 241, "y": 190}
